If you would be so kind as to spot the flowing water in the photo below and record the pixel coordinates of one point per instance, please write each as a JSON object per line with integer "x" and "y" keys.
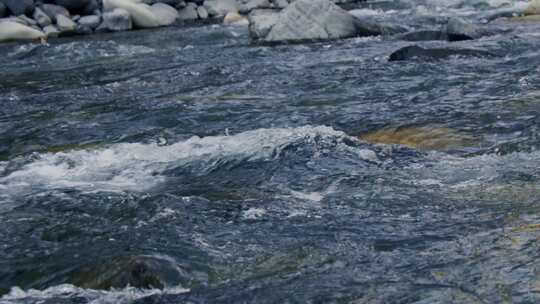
{"x": 189, "y": 165}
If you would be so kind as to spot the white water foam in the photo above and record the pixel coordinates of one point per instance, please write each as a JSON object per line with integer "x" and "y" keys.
{"x": 480, "y": 172}
{"x": 138, "y": 167}
{"x": 67, "y": 291}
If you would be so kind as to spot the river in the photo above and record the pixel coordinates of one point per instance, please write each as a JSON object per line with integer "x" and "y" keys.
{"x": 209, "y": 169}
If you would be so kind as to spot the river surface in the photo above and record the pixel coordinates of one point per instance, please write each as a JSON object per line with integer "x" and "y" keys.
{"x": 198, "y": 167}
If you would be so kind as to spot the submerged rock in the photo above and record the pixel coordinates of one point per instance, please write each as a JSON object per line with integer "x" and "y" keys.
{"x": 458, "y": 29}
{"x": 413, "y": 51}
{"x": 14, "y": 31}
{"x": 116, "y": 21}
{"x": 423, "y": 138}
{"x": 136, "y": 271}
{"x": 424, "y": 36}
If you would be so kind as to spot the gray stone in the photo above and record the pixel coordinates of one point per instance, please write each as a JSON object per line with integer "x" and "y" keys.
{"x": 219, "y": 8}
{"x": 19, "y": 7}
{"x": 117, "y": 20}
{"x": 281, "y": 3}
{"x": 459, "y": 29}
{"x": 52, "y": 10}
{"x": 83, "y": 30}
{"x": 416, "y": 52}
{"x": 424, "y": 36}
{"x": 51, "y": 31}
{"x": 312, "y": 20}
{"x": 189, "y": 12}
{"x": 247, "y": 6}
{"x": 91, "y": 21}
{"x": 3, "y": 10}
{"x": 202, "y": 12}
{"x": 41, "y": 18}
{"x": 64, "y": 24}
{"x": 261, "y": 22}
{"x": 374, "y": 28}
{"x": 27, "y": 21}
{"x": 166, "y": 14}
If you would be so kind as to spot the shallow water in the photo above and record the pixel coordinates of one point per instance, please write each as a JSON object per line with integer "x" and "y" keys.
{"x": 236, "y": 171}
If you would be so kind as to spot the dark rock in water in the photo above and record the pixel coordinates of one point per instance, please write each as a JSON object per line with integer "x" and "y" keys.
{"x": 373, "y": 28}
{"x": 459, "y": 29}
{"x": 19, "y": 7}
{"x": 424, "y": 36}
{"x": 135, "y": 271}
{"x": 413, "y": 51}
{"x": 53, "y": 10}
{"x": 3, "y": 10}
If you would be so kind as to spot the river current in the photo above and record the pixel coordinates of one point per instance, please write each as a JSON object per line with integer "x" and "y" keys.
{"x": 203, "y": 168}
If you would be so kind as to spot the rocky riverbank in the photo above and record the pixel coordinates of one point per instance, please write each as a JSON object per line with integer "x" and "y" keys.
{"x": 32, "y": 20}
{"x": 270, "y": 21}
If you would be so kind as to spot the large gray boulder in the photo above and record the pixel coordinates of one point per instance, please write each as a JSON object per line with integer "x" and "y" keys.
{"x": 19, "y": 7}
{"x": 165, "y": 13}
{"x": 116, "y": 21}
{"x": 312, "y": 20}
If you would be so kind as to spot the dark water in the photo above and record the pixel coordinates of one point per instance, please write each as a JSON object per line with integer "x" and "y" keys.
{"x": 200, "y": 168}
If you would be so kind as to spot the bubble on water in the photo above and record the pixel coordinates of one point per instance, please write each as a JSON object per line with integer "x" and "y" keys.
{"x": 68, "y": 291}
